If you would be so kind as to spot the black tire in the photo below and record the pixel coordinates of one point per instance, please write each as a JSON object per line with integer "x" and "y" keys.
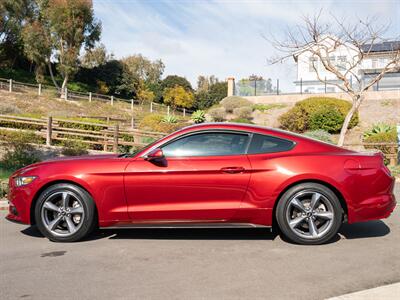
{"x": 76, "y": 194}
{"x": 288, "y": 211}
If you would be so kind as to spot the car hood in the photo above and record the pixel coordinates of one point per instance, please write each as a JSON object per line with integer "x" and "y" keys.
{"x": 65, "y": 159}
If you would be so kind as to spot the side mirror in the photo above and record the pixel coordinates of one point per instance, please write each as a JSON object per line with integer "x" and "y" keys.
{"x": 155, "y": 154}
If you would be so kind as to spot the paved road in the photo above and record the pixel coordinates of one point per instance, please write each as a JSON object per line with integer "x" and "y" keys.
{"x": 197, "y": 264}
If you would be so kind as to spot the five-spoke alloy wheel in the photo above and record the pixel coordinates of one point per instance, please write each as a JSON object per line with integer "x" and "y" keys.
{"x": 309, "y": 213}
{"x": 65, "y": 212}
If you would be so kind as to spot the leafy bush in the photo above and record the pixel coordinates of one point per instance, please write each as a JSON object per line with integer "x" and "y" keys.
{"x": 232, "y": 102}
{"x": 243, "y": 112}
{"x": 169, "y": 119}
{"x": 241, "y": 120}
{"x": 73, "y": 148}
{"x": 218, "y": 114}
{"x": 199, "y": 116}
{"x": 317, "y": 113}
{"x": 3, "y": 188}
{"x": 378, "y": 128}
{"x": 153, "y": 122}
{"x": 383, "y": 137}
{"x": 91, "y": 124}
{"x": 264, "y": 107}
{"x": 320, "y": 135}
{"x": 9, "y": 109}
{"x": 326, "y": 119}
{"x": 20, "y": 152}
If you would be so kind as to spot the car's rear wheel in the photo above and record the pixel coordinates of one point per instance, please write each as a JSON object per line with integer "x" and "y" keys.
{"x": 65, "y": 213}
{"x": 309, "y": 213}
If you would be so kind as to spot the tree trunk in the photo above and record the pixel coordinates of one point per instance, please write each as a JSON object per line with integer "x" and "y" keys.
{"x": 51, "y": 74}
{"x": 356, "y": 104}
{"x": 64, "y": 85}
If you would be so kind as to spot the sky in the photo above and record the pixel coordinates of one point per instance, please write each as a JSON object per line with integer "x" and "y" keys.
{"x": 221, "y": 38}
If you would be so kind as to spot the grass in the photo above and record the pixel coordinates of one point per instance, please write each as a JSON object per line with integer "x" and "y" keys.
{"x": 4, "y": 174}
{"x": 264, "y": 107}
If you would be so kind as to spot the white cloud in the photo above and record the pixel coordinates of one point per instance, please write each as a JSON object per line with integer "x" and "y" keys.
{"x": 223, "y": 38}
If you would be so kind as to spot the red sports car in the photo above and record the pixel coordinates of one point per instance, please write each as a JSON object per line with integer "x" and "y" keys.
{"x": 209, "y": 175}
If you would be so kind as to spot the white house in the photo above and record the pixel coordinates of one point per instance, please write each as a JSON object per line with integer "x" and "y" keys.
{"x": 310, "y": 70}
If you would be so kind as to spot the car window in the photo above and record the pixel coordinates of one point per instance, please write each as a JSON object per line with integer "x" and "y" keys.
{"x": 268, "y": 144}
{"x": 208, "y": 144}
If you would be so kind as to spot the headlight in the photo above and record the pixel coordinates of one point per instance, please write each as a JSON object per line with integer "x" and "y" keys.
{"x": 23, "y": 180}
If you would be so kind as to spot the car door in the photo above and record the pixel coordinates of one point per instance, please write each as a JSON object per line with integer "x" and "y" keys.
{"x": 203, "y": 177}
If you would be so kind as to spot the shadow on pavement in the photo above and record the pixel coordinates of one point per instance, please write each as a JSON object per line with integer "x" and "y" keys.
{"x": 364, "y": 230}
{"x": 349, "y": 231}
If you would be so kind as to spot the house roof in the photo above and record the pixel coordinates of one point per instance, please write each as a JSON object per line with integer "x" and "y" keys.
{"x": 382, "y": 47}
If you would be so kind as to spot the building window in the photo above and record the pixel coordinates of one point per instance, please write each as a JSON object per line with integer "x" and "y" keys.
{"x": 313, "y": 64}
{"x": 341, "y": 62}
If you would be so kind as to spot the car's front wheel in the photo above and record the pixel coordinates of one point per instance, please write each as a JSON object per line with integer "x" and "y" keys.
{"x": 65, "y": 213}
{"x": 309, "y": 213}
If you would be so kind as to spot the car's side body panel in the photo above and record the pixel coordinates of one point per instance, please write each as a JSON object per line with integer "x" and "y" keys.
{"x": 186, "y": 189}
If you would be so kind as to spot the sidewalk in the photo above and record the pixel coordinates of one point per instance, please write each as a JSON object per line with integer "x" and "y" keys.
{"x": 3, "y": 204}
{"x": 387, "y": 292}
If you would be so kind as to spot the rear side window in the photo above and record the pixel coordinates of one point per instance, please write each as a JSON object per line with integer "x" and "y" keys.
{"x": 268, "y": 144}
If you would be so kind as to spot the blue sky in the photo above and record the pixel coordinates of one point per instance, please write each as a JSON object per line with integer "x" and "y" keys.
{"x": 223, "y": 38}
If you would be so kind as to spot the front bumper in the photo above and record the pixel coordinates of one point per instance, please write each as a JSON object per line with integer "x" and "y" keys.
{"x": 19, "y": 204}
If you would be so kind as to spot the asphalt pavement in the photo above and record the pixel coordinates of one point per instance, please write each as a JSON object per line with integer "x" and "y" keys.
{"x": 197, "y": 263}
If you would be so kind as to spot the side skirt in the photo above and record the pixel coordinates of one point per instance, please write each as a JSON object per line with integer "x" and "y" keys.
{"x": 187, "y": 225}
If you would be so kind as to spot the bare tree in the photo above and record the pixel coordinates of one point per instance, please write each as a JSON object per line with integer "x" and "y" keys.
{"x": 319, "y": 41}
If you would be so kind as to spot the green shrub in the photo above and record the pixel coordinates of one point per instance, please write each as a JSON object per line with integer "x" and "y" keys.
{"x": 232, "y": 102}
{"x": 317, "y": 113}
{"x": 3, "y": 188}
{"x": 241, "y": 120}
{"x": 217, "y": 114}
{"x": 169, "y": 119}
{"x": 320, "y": 135}
{"x": 20, "y": 152}
{"x": 199, "y": 116}
{"x": 264, "y": 107}
{"x": 378, "y": 128}
{"x": 153, "y": 122}
{"x": 68, "y": 124}
{"x": 383, "y": 137}
{"x": 73, "y": 148}
{"x": 243, "y": 112}
{"x": 326, "y": 119}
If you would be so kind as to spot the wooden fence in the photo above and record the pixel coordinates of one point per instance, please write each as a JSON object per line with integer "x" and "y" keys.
{"x": 41, "y": 89}
{"x": 97, "y": 136}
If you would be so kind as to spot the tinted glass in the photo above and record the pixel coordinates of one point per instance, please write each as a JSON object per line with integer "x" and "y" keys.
{"x": 268, "y": 144}
{"x": 208, "y": 144}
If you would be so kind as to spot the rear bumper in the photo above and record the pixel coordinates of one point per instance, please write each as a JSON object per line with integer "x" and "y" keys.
{"x": 374, "y": 208}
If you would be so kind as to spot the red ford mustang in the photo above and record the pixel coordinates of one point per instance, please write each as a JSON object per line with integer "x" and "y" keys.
{"x": 207, "y": 175}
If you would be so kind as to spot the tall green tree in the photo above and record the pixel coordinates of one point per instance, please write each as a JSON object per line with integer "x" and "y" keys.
{"x": 173, "y": 80}
{"x": 13, "y": 13}
{"x": 72, "y": 25}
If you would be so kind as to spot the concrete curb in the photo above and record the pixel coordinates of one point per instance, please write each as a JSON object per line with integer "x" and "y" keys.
{"x": 387, "y": 292}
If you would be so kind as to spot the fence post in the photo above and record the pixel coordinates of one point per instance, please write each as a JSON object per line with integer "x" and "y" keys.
{"x": 151, "y": 107}
{"x": 132, "y": 122}
{"x": 377, "y": 85}
{"x": 184, "y": 112}
{"x": 10, "y": 88}
{"x": 66, "y": 94}
{"x": 116, "y": 132}
{"x": 49, "y": 130}
{"x": 90, "y": 96}
{"x": 112, "y": 100}
{"x": 40, "y": 89}
{"x": 131, "y": 104}
{"x": 325, "y": 84}
{"x": 168, "y": 110}
{"x": 277, "y": 86}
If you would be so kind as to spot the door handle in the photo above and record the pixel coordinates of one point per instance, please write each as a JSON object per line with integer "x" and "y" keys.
{"x": 233, "y": 170}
